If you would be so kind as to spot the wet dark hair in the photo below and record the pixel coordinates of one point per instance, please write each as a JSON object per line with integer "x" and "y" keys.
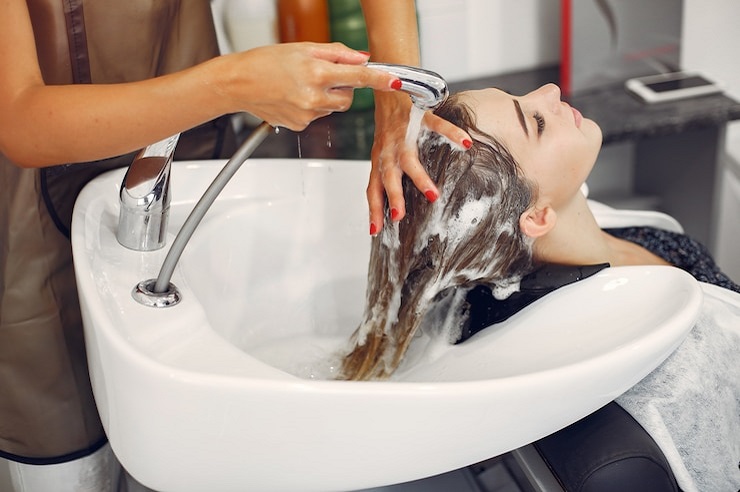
{"x": 470, "y": 235}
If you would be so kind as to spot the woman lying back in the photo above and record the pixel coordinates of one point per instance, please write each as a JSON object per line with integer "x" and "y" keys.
{"x": 508, "y": 204}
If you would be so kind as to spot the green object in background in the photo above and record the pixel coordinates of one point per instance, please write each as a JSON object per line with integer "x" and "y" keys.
{"x": 347, "y": 25}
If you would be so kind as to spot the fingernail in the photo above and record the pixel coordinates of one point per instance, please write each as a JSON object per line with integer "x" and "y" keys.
{"x": 394, "y": 214}
{"x": 431, "y": 195}
{"x": 396, "y": 84}
{"x": 467, "y": 143}
{"x": 366, "y": 53}
{"x": 373, "y": 229}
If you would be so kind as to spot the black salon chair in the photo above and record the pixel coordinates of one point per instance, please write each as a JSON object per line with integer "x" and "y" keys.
{"x": 607, "y": 451}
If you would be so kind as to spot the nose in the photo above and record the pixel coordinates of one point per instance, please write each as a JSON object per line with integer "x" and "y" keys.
{"x": 550, "y": 91}
{"x": 550, "y": 94}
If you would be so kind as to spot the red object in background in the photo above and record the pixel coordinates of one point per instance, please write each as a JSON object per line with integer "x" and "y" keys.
{"x": 303, "y": 20}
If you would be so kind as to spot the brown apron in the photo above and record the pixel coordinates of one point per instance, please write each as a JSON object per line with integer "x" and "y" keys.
{"x": 47, "y": 412}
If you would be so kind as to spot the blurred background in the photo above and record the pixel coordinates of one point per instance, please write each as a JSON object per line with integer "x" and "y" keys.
{"x": 465, "y": 40}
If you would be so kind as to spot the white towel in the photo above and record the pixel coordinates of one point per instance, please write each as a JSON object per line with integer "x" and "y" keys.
{"x": 690, "y": 405}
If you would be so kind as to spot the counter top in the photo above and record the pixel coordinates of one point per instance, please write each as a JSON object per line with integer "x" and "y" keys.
{"x": 620, "y": 115}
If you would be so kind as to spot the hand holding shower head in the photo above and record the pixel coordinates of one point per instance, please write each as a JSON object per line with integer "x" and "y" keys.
{"x": 426, "y": 88}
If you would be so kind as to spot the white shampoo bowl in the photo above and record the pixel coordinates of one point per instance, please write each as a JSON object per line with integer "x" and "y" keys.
{"x": 191, "y": 401}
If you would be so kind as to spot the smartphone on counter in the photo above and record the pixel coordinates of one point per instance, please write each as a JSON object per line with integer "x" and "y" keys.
{"x": 672, "y": 86}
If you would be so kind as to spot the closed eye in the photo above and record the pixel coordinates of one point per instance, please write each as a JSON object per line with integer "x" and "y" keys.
{"x": 540, "y": 123}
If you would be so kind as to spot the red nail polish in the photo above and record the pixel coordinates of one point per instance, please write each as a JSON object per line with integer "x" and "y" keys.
{"x": 431, "y": 195}
{"x": 467, "y": 143}
{"x": 396, "y": 84}
{"x": 373, "y": 229}
{"x": 366, "y": 53}
{"x": 394, "y": 214}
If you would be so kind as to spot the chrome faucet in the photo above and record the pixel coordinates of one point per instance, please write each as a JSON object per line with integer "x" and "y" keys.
{"x": 426, "y": 88}
{"x": 145, "y": 197}
{"x": 160, "y": 292}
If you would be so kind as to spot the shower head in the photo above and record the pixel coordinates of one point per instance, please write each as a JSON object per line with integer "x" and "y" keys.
{"x": 427, "y": 89}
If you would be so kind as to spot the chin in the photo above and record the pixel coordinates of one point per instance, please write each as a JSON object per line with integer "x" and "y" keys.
{"x": 593, "y": 130}
{"x": 594, "y": 136}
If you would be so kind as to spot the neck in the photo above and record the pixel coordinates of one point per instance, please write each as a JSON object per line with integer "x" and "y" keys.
{"x": 577, "y": 239}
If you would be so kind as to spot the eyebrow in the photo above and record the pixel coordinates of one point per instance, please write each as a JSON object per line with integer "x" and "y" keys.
{"x": 520, "y": 115}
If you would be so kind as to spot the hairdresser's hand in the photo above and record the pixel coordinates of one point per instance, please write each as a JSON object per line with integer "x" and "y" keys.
{"x": 392, "y": 158}
{"x": 292, "y": 84}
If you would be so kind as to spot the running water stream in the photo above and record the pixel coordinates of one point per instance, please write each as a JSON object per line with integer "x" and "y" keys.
{"x": 413, "y": 131}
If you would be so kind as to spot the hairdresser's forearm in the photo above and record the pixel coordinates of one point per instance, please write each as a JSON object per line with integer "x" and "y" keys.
{"x": 392, "y": 31}
{"x": 286, "y": 85}
{"x": 59, "y": 124}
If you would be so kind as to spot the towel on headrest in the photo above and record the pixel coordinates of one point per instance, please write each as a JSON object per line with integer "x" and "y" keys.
{"x": 690, "y": 404}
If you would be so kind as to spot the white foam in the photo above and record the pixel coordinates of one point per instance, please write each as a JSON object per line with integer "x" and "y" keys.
{"x": 307, "y": 356}
{"x": 472, "y": 212}
{"x": 503, "y": 291}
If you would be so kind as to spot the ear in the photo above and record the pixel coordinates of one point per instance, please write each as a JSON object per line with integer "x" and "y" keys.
{"x": 536, "y": 222}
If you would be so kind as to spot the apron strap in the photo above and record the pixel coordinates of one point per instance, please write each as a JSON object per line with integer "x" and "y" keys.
{"x": 78, "y": 55}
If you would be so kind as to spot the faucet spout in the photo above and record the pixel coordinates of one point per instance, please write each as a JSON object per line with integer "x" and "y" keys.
{"x": 145, "y": 197}
{"x": 160, "y": 292}
{"x": 426, "y": 88}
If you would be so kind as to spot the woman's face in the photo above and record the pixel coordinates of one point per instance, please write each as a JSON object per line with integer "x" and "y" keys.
{"x": 554, "y": 145}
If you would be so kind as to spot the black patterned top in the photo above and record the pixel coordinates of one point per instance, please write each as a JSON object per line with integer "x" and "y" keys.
{"x": 679, "y": 250}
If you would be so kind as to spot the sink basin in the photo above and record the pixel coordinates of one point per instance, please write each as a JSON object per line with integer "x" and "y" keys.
{"x": 225, "y": 392}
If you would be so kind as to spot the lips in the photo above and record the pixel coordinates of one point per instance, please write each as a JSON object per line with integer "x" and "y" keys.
{"x": 577, "y": 117}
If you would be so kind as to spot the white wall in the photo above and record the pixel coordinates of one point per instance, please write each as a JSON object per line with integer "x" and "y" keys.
{"x": 711, "y": 39}
{"x": 474, "y": 38}
{"x": 710, "y": 43}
